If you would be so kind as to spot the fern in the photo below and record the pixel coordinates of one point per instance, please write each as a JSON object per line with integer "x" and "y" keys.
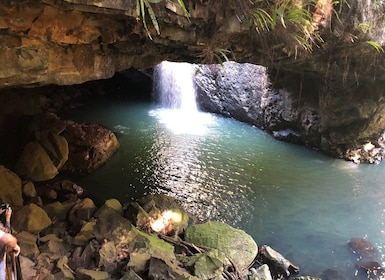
{"x": 143, "y": 5}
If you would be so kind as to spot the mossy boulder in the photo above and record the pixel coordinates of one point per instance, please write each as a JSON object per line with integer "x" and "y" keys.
{"x": 236, "y": 244}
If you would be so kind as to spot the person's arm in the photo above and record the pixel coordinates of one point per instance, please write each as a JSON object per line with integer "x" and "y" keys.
{"x": 8, "y": 213}
{"x": 10, "y": 241}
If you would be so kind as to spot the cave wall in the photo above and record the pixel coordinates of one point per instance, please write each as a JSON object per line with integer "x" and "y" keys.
{"x": 306, "y": 110}
{"x": 67, "y": 42}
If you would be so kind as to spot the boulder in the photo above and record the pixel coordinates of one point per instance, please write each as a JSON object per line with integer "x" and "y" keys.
{"x": 31, "y": 218}
{"x": 363, "y": 248}
{"x": 28, "y": 244}
{"x": 29, "y": 190}
{"x": 88, "y": 274}
{"x": 161, "y": 213}
{"x": 236, "y": 244}
{"x": 110, "y": 207}
{"x": 35, "y": 164}
{"x": 90, "y": 146}
{"x": 207, "y": 265}
{"x": 11, "y": 188}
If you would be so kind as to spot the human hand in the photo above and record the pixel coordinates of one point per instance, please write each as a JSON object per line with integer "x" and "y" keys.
{"x": 16, "y": 250}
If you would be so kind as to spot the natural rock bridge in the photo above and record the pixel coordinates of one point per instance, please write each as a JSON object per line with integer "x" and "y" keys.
{"x": 329, "y": 78}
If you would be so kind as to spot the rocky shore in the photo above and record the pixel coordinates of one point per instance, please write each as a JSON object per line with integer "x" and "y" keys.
{"x": 64, "y": 235}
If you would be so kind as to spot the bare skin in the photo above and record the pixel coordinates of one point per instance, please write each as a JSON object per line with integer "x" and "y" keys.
{"x": 8, "y": 239}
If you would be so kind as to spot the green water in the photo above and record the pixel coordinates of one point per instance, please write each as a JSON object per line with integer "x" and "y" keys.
{"x": 303, "y": 204}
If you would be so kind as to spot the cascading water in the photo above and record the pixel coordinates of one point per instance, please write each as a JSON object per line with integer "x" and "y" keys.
{"x": 175, "y": 91}
{"x": 175, "y": 87}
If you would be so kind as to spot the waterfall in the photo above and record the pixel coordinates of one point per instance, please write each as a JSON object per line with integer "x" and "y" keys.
{"x": 174, "y": 89}
{"x": 174, "y": 86}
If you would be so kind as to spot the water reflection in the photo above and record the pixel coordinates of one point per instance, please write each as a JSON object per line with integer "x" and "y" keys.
{"x": 185, "y": 165}
{"x": 300, "y": 202}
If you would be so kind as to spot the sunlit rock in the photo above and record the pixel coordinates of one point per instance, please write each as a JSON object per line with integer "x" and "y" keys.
{"x": 161, "y": 214}
{"x": 277, "y": 261}
{"x": 237, "y": 245}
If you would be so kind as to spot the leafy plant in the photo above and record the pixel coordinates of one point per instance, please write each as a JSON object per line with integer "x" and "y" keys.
{"x": 214, "y": 55}
{"x": 377, "y": 46}
{"x": 289, "y": 14}
{"x": 143, "y": 5}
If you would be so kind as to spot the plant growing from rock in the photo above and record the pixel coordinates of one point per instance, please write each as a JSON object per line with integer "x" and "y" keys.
{"x": 143, "y": 5}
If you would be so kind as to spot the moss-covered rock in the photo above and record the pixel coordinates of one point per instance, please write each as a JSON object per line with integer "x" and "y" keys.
{"x": 236, "y": 244}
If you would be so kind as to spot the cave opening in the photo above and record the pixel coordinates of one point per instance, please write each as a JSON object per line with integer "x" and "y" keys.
{"x": 234, "y": 173}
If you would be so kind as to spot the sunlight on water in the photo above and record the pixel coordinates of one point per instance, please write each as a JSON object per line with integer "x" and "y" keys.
{"x": 302, "y": 203}
{"x": 182, "y": 122}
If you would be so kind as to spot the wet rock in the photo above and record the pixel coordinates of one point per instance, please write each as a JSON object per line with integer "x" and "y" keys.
{"x": 237, "y": 245}
{"x": 31, "y": 218}
{"x": 277, "y": 261}
{"x": 372, "y": 269}
{"x": 363, "y": 248}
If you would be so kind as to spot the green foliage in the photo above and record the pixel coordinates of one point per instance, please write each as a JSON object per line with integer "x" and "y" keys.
{"x": 297, "y": 16}
{"x": 377, "y": 46}
{"x": 143, "y": 5}
{"x": 215, "y": 55}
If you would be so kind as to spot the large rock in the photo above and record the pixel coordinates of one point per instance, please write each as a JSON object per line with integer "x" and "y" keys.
{"x": 35, "y": 164}
{"x": 31, "y": 218}
{"x": 339, "y": 121}
{"x": 237, "y": 245}
{"x": 10, "y": 191}
{"x": 90, "y": 146}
